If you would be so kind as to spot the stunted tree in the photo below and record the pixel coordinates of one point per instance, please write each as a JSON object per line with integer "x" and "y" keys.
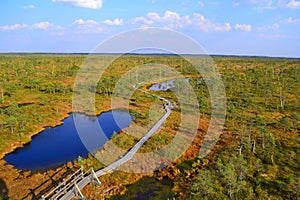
{"x": 13, "y": 109}
{"x": 204, "y": 185}
{"x": 2, "y": 123}
{"x": 232, "y": 174}
{"x": 10, "y": 89}
{"x": 12, "y": 123}
{"x": 272, "y": 145}
{"x": 258, "y": 125}
{"x": 284, "y": 121}
{"x": 281, "y": 87}
{"x": 3, "y": 83}
{"x": 22, "y": 121}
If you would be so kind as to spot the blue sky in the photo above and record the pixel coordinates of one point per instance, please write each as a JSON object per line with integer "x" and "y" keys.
{"x": 240, "y": 27}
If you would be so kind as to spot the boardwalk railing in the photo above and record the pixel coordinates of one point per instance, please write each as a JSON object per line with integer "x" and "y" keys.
{"x": 70, "y": 182}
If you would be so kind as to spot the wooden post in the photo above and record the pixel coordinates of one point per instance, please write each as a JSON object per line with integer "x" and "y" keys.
{"x": 78, "y": 192}
{"x": 81, "y": 172}
{"x": 95, "y": 178}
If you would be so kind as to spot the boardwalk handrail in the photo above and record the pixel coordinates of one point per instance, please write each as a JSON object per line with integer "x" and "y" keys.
{"x": 66, "y": 184}
{"x": 77, "y": 184}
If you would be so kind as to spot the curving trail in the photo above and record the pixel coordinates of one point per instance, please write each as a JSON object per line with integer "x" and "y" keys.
{"x": 68, "y": 192}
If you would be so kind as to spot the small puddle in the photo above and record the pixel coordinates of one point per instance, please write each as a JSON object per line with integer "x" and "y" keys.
{"x": 167, "y": 85}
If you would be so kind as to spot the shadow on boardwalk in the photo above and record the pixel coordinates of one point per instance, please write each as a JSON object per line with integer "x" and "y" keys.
{"x": 52, "y": 181}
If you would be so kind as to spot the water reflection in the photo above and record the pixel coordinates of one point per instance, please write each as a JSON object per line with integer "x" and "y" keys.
{"x": 56, "y": 146}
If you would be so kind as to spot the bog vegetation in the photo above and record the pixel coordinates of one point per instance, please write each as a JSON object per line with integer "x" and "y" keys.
{"x": 257, "y": 156}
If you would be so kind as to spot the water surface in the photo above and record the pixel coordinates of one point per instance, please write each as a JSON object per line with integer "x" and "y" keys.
{"x": 167, "y": 85}
{"x": 56, "y": 146}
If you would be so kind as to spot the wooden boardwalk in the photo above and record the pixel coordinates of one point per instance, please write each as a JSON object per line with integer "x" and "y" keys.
{"x": 72, "y": 189}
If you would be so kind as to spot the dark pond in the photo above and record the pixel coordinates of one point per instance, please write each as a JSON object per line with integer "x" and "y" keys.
{"x": 56, "y": 146}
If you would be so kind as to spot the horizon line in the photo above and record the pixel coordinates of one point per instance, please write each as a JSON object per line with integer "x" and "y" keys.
{"x": 146, "y": 53}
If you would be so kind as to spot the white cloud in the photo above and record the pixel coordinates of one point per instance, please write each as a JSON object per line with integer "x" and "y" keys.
{"x": 81, "y": 26}
{"x": 273, "y": 27}
{"x": 243, "y": 27}
{"x": 187, "y": 20}
{"x": 153, "y": 16}
{"x": 170, "y": 19}
{"x": 200, "y": 3}
{"x": 291, "y": 20}
{"x": 171, "y": 16}
{"x": 46, "y": 26}
{"x": 270, "y": 5}
{"x": 29, "y": 7}
{"x": 201, "y": 22}
{"x": 271, "y": 36}
{"x": 82, "y": 22}
{"x": 13, "y": 27}
{"x": 116, "y": 22}
{"x": 173, "y": 20}
{"x": 142, "y": 20}
{"x": 51, "y": 28}
{"x": 93, "y": 4}
{"x": 261, "y": 5}
{"x": 293, "y": 4}
{"x": 225, "y": 27}
{"x": 41, "y": 25}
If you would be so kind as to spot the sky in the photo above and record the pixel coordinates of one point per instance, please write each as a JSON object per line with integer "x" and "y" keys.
{"x": 240, "y": 27}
